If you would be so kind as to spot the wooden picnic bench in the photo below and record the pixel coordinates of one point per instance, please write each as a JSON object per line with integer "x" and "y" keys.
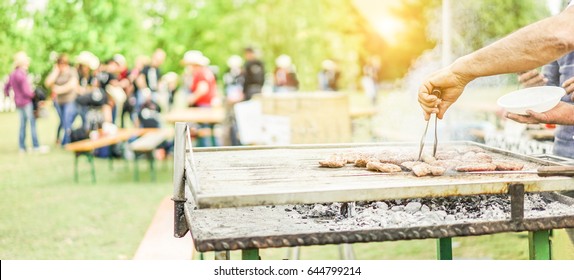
{"x": 87, "y": 146}
{"x": 145, "y": 145}
{"x": 210, "y": 116}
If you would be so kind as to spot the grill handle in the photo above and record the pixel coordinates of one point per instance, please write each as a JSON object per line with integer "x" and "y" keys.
{"x": 547, "y": 171}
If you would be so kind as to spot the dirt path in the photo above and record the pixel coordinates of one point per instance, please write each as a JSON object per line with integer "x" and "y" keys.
{"x": 159, "y": 243}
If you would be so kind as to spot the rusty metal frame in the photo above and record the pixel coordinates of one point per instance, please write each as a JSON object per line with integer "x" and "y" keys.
{"x": 184, "y": 200}
{"x": 179, "y": 199}
{"x": 380, "y": 235}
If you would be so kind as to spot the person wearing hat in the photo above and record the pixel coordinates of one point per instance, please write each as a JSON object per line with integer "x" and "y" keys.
{"x": 150, "y": 76}
{"x": 63, "y": 82}
{"x": 86, "y": 63}
{"x": 233, "y": 80}
{"x": 23, "y": 95}
{"x": 254, "y": 72}
{"x": 203, "y": 87}
{"x": 170, "y": 83}
{"x": 284, "y": 77}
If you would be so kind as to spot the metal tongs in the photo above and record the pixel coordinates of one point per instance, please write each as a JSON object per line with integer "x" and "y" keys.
{"x": 436, "y": 93}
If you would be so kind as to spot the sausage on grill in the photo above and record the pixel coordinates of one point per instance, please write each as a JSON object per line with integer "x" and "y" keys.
{"x": 506, "y": 165}
{"x": 333, "y": 161}
{"x": 475, "y": 167}
{"x": 383, "y": 167}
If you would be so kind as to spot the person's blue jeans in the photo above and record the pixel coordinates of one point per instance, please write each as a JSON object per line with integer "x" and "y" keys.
{"x": 61, "y": 117}
{"x": 82, "y": 111}
{"x": 27, "y": 115}
{"x": 69, "y": 112}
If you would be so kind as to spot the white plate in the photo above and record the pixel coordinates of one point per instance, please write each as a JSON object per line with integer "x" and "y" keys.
{"x": 537, "y": 99}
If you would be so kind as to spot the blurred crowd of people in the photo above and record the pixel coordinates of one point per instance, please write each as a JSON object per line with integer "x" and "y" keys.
{"x": 99, "y": 91}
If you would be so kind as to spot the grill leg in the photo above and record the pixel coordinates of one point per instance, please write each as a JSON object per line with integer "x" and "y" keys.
{"x": 250, "y": 254}
{"x": 346, "y": 252}
{"x": 151, "y": 165}
{"x": 91, "y": 160}
{"x": 76, "y": 177}
{"x": 136, "y": 168}
{"x": 222, "y": 255}
{"x": 213, "y": 139}
{"x": 444, "y": 248}
{"x": 539, "y": 245}
{"x": 294, "y": 253}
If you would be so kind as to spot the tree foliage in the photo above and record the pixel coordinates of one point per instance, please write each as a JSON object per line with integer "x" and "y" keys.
{"x": 478, "y": 23}
{"x": 308, "y": 31}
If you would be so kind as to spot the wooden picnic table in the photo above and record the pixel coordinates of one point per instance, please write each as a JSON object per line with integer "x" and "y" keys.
{"x": 199, "y": 115}
{"x": 87, "y": 146}
{"x": 209, "y": 115}
{"x": 361, "y": 112}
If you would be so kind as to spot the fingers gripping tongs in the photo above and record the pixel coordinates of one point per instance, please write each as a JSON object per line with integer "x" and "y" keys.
{"x": 436, "y": 93}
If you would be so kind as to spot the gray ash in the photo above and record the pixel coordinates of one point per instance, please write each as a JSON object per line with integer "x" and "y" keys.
{"x": 427, "y": 211}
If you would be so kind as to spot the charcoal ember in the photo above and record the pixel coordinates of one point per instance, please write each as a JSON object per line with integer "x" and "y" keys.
{"x": 433, "y": 211}
{"x": 536, "y": 203}
{"x": 425, "y": 209}
{"x": 476, "y": 167}
{"x": 381, "y": 205}
{"x": 383, "y": 167}
{"x": 507, "y": 165}
{"x": 413, "y": 207}
{"x": 450, "y": 218}
{"x": 334, "y": 161}
{"x": 318, "y": 210}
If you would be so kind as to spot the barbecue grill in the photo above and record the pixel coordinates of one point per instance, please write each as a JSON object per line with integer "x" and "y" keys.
{"x": 232, "y": 198}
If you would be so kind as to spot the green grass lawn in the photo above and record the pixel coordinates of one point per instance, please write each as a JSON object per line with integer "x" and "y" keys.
{"x": 45, "y": 215}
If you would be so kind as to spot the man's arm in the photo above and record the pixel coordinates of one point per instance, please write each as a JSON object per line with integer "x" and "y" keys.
{"x": 525, "y": 49}
{"x": 51, "y": 78}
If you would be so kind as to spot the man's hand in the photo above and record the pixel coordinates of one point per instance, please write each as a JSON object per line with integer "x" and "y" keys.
{"x": 449, "y": 83}
{"x": 532, "y": 78}
{"x": 562, "y": 114}
{"x": 568, "y": 85}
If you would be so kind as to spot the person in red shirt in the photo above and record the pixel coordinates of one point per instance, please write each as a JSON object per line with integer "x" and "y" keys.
{"x": 204, "y": 87}
{"x": 203, "y": 90}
